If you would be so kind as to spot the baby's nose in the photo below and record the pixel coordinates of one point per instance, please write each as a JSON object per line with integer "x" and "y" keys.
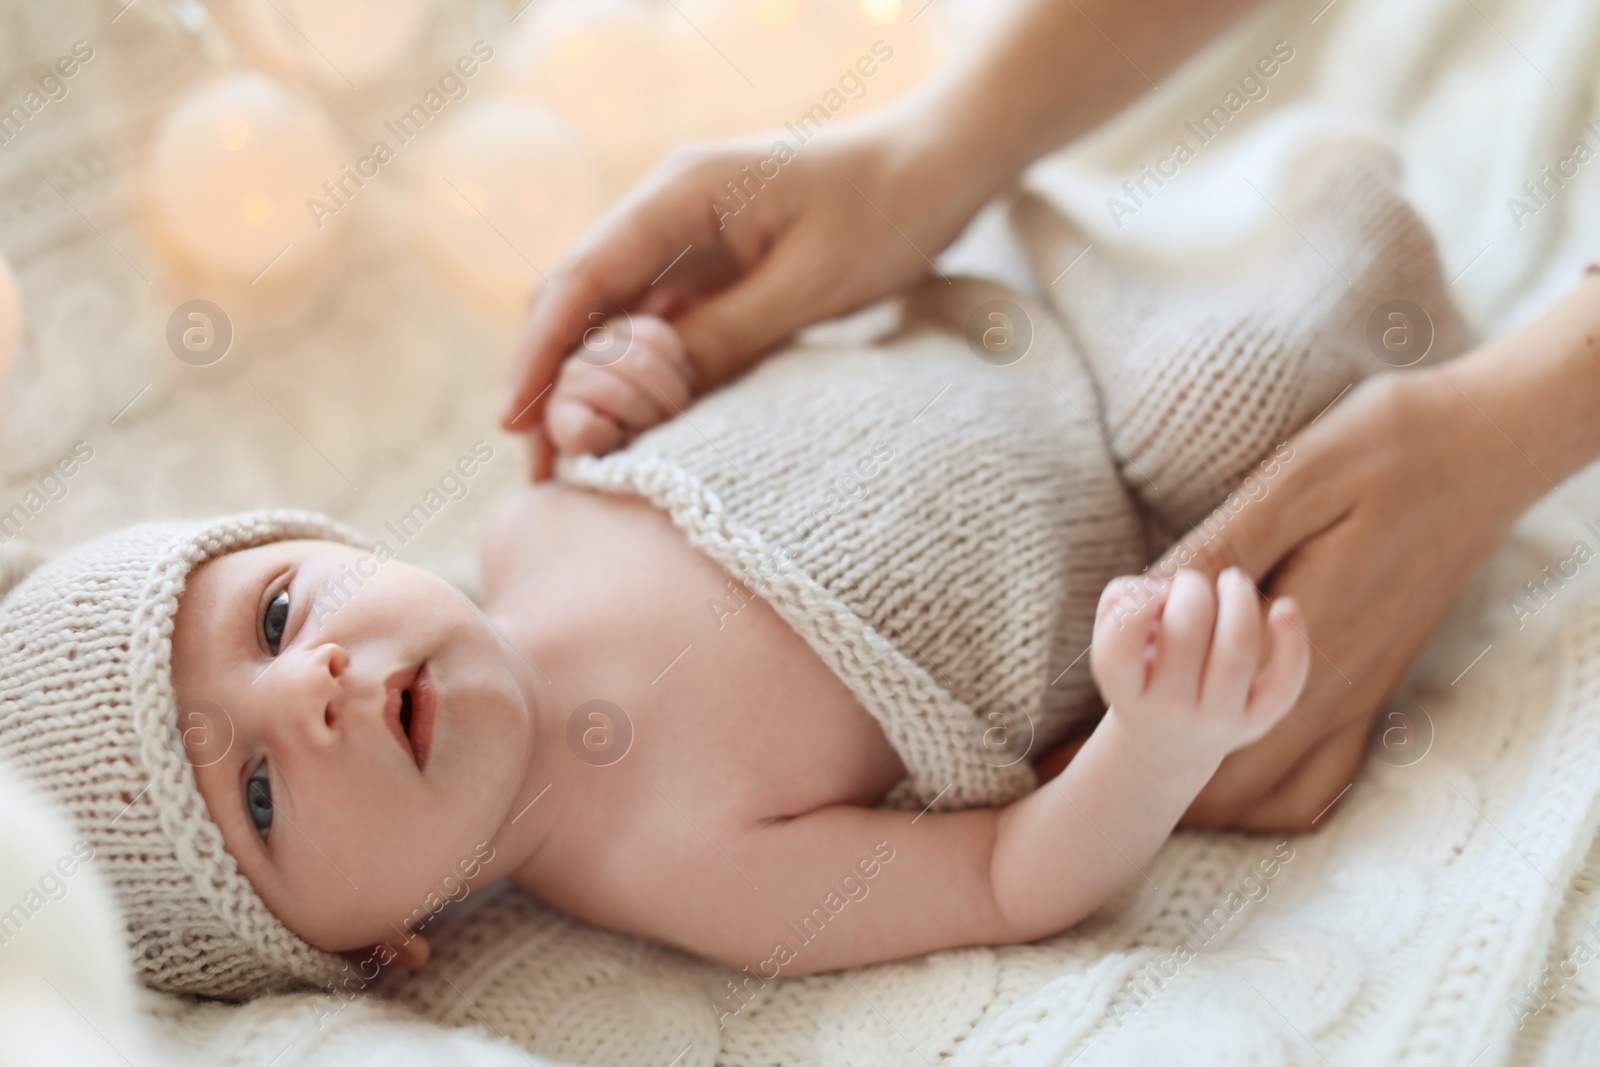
{"x": 321, "y": 693}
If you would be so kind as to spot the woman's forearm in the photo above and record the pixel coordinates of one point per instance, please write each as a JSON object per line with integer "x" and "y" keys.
{"x": 1538, "y": 387}
{"x": 1051, "y": 70}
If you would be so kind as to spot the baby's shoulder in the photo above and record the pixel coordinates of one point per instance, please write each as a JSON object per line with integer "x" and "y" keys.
{"x": 570, "y": 536}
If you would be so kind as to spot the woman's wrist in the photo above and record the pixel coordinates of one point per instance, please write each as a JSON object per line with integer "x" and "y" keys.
{"x": 1045, "y": 73}
{"x": 957, "y": 138}
{"x": 940, "y": 164}
{"x": 1536, "y": 391}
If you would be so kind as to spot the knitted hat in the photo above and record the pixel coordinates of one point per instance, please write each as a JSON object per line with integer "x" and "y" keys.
{"x": 87, "y": 710}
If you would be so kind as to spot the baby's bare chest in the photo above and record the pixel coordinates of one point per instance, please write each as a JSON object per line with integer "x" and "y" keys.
{"x": 679, "y": 682}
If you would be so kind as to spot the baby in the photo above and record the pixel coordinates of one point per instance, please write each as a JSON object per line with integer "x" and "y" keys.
{"x": 374, "y": 744}
{"x": 324, "y": 734}
{"x": 803, "y": 635}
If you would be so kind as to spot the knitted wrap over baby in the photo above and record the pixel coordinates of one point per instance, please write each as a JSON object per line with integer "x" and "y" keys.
{"x": 939, "y": 527}
{"x": 907, "y": 507}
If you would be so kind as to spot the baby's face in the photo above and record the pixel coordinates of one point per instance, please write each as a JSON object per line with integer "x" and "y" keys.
{"x": 356, "y": 729}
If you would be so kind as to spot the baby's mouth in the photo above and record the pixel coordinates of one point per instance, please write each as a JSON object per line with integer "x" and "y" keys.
{"x": 413, "y": 720}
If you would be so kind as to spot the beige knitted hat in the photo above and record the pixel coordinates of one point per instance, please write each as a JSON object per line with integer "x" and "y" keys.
{"x": 87, "y": 710}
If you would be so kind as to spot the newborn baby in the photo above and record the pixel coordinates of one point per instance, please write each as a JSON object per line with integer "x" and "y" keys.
{"x": 801, "y": 637}
{"x": 375, "y": 743}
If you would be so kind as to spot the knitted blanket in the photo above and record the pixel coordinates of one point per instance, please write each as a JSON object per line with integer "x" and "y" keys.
{"x": 1440, "y": 913}
{"x": 1446, "y": 908}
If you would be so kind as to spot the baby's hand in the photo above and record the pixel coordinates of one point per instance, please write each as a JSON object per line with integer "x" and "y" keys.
{"x": 628, "y": 375}
{"x": 1177, "y": 663}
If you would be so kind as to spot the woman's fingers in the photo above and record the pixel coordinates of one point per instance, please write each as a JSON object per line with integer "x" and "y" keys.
{"x": 1278, "y": 684}
{"x": 1300, "y": 802}
{"x": 798, "y": 282}
{"x": 1278, "y": 506}
{"x": 548, "y": 337}
{"x": 613, "y": 264}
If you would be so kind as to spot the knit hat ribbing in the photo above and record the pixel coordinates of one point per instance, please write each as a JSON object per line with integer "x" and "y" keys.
{"x": 88, "y": 711}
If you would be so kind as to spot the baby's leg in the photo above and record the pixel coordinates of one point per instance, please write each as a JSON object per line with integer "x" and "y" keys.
{"x": 1206, "y": 368}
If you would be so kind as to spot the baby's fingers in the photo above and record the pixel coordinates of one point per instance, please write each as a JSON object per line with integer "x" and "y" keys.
{"x": 608, "y": 391}
{"x": 1278, "y": 684}
{"x": 657, "y": 367}
{"x": 1127, "y": 613}
{"x": 1186, "y": 627}
{"x": 576, "y": 429}
{"x": 1236, "y": 644}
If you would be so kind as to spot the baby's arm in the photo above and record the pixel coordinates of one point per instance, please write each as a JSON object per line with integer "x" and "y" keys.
{"x": 1178, "y": 666}
{"x": 1178, "y": 669}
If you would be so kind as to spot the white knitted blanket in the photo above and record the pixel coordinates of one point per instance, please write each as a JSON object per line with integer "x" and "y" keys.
{"x": 1403, "y": 931}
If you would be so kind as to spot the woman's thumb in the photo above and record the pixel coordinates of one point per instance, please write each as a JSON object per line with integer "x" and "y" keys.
{"x": 1254, "y": 528}
{"x": 725, "y": 333}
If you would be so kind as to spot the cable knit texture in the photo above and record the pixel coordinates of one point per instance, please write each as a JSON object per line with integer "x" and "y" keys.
{"x": 88, "y": 712}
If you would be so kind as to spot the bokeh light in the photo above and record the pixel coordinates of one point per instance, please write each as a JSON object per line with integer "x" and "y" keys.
{"x": 231, "y": 169}
{"x": 339, "y": 43}
{"x": 504, "y": 189}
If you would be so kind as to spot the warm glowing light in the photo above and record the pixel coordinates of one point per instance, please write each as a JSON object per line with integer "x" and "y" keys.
{"x": 882, "y": 12}
{"x": 235, "y": 133}
{"x": 532, "y": 203}
{"x": 503, "y": 190}
{"x": 775, "y": 13}
{"x": 334, "y": 40}
{"x": 469, "y": 200}
{"x": 616, "y": 70}
{"x": 577, "y": 46}
{"x": 229, "y": 173}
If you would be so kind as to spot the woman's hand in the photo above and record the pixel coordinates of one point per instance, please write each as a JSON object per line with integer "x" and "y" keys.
{"x": 740, "y": 244}
{"x": 845, "y": 219}
{"x": 1391, "y": 501}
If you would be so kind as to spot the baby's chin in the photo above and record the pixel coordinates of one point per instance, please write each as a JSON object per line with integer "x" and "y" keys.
{"x": 412, "y": 903}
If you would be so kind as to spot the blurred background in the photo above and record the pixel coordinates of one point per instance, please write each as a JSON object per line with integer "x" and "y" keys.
{"x": 275, "y": 252}
{"x": 360, "y": 195}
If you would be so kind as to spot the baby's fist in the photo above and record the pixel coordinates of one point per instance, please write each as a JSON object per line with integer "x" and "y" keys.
{"x": 629, "y": 374}
{"x": 1177, "y": 661}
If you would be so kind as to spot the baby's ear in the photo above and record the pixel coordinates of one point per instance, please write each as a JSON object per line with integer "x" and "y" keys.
{"x": 412, "y": 953}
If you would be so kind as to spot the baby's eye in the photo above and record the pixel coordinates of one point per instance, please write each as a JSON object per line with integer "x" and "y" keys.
{"x": 274, "y": 620}
{"x": 258, "y": 800}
